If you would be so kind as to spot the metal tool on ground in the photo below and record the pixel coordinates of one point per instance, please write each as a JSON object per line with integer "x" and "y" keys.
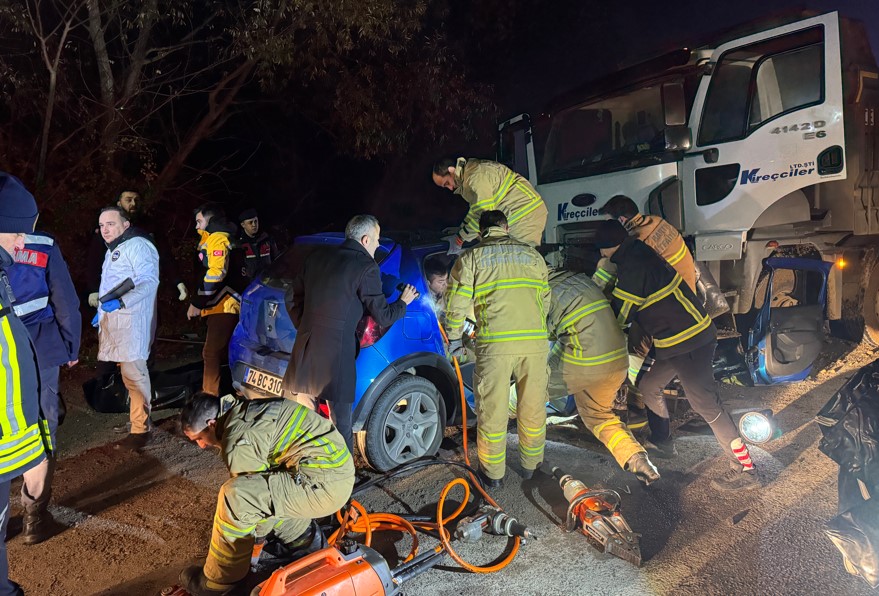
{"x": 493, "y": 521}
{"x": 596, "y": 513}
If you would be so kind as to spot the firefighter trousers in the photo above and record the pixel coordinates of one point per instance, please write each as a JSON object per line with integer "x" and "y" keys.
{"x": 256, "y": 504}
{"x": 594, "y": 392}
{"x": 694, "y": 370}
{"x": 491, "y": 381}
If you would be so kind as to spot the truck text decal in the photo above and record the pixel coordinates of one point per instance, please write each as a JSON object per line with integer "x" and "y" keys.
{"x": 564, "y": 214}
{"x": 798, "y": 169}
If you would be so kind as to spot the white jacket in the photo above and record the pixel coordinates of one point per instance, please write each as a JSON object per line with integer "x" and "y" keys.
{"x": 125, "y": 335}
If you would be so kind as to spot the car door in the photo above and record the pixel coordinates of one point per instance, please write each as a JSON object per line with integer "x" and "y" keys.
{"x": 788, "y": 333}
{"x": 767, "y": 121}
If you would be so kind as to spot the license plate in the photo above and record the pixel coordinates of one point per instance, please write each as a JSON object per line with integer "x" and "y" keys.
{"x": 264, "y": 381}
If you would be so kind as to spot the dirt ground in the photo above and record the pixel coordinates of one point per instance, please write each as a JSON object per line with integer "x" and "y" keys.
{"x": 128, "y": 523}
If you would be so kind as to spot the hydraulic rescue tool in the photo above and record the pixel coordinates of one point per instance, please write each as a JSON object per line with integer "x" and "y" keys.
{"x": 596, "y": 513}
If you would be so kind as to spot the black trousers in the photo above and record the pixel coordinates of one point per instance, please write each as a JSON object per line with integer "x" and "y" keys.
{"x": 343, "y": 418}
{"x": 694, "y": 369}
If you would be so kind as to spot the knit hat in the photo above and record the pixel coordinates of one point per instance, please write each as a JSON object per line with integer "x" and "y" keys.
{"x": 610, "y": 233}
{"x": 247, "y": 214}
{"x": 18, "y": 209}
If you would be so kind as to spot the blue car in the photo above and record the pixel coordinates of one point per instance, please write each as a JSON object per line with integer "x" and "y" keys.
{"x": 406, "y": 390}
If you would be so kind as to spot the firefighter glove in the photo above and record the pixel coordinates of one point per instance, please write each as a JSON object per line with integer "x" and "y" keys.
{"x": 184, "y": 294}
{"x": 456, "y": 348}
{"x": 455, "y": 244}
{"x": 93, "y": 300}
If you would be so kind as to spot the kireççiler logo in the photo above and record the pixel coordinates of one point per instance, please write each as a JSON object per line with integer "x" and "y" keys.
{"x": 796, "y": 169}
{"x": 564, "y": 213}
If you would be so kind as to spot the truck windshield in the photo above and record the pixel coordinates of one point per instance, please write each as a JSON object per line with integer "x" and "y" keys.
{"x": 613, "y": 133}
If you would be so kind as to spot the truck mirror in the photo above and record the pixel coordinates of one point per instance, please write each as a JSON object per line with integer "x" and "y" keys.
{"x": 674, "y": 104}
{"x": 677, "y": 138}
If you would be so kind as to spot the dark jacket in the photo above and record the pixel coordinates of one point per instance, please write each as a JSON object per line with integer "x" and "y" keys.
{"x": 259, "y": 252}
{"x": 652, "y": 294}
{"x": 46, "y": 300}
{"x": 169, "y": 273}
{"x": 21, "y": 441}
{"x": 335, "y": 288}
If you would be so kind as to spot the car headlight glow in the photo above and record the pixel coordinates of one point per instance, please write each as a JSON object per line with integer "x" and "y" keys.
{"x": 756, "y": 427}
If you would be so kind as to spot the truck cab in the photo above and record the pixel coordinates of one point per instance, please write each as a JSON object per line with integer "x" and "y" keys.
{"x": 759, "y": 146}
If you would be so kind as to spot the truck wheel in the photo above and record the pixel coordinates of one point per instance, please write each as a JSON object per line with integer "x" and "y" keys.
{"x": 406, "y": 423}
{"x": 870, "y": 307}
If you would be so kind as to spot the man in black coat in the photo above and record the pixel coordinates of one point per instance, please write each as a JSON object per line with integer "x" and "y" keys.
{"x": 327, "y": 299}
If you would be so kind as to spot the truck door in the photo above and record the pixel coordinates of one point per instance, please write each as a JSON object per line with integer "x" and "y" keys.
{"x": 515, "y": 149}
{"x": 789, "y": 330}
{"x": 767, "y": 121}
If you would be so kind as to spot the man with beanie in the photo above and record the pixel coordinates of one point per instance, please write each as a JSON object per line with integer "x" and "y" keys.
{"x": 47, "y": 304}
{"x": 506, "y": 282}
{"x": 125, "y": 324}
{"x": 218, "y": 297}
{"x": 486, "y": 186}
{"x": 258, "y": 246}
{"x": 24, "y": 434}
{"x": 651, "y": 294}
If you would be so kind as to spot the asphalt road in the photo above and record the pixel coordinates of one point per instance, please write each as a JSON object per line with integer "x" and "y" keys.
{"x": 129, "y": 523}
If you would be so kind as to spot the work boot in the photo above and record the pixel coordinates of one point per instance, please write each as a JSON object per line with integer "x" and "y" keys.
{"x": 37, "y": 527}
{"x": 122, "y": 429}
{"x": 527, "y": 474}
{"x": 736, "y": 479}
{"x": 661, "y": 449}
{"x": 193, "y": 580}
{"x": 490, "y": 482}
{"x": 133, "y": 442}
{"x": 643, "y": 469}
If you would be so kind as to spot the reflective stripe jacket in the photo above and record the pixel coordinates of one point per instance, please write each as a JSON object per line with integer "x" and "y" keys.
{"x": 662, "y": 237}
{"x": 126, "y": 334}
{"x": 21, "y": 441}
{"x": 583, "y": 324}
{"x": 648, "y": 291}
{"x": 506, "y": 281}
{"x": 488, "y": 185}
{"x": 219, "y": 290}
{"x": 46, "y": 300}
{"x": 271, "y": 434}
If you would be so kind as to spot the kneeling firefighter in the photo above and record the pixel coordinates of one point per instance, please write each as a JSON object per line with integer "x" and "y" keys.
{"x": 589, "y": 361}
{"x": 288, "y": 465}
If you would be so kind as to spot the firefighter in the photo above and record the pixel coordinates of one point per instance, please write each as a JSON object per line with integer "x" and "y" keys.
{"x": 506, "y": 281}
{"x": 663, "y": 238}
{"x": 488, "y": 185}
{"x": 46, "y": 302}
{"x": 24, "y": 433}
{"x": 651, "y": 294}
{"x": 288, "y": 467}
{"x": 588, "y": 361}
{"x": 218, "y": 297}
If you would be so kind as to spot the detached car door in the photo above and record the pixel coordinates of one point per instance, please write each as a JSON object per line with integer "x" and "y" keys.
{"x": 789, "y": 331}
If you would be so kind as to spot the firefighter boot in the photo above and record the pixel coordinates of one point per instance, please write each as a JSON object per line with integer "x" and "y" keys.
{"x": 641, "y": 466}
{"x": 37, "y": 526}
{"x": 661, "y": 444}
{"x": 194, "y": 581}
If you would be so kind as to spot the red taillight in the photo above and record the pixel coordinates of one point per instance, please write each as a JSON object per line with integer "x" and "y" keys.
{"x": 369, "y": 331}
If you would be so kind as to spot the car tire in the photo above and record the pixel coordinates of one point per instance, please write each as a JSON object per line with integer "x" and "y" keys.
{"x": 406, "y": 423}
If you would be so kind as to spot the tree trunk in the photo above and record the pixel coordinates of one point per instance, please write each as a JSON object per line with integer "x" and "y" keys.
{"x": 47, "y": 125}
{"x": 109, "y": 124}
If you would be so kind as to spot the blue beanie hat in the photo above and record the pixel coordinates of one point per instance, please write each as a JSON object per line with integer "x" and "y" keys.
{"x": 18, "y": 209}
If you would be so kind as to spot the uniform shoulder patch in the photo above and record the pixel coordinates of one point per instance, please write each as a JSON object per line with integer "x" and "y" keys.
{"x": 115, "y": 256}
{"x": 219, "y": 253}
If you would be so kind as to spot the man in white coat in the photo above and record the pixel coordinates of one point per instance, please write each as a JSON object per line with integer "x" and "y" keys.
{"x": 125, "y": 324}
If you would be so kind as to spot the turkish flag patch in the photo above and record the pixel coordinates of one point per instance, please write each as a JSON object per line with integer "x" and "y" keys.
{"x": 219, "y": 253}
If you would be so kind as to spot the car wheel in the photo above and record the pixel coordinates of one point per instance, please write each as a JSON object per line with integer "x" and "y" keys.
{"x": 406, "y": 422}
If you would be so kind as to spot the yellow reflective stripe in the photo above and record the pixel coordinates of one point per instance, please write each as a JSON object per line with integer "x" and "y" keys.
{"x": 11, "y": 443}
{"x": 493, "y": 459}
{"x": 228, "y": 529}
{"x": 583, "y": 311}
{"x": 492, "y": 437}
{"x": 506, "y": 284}
{"x": 616, "y": 438}
{"x": 683, "y": 335}
{"x": 502, "y": 336}
{"x": 531, "y": 450}
{"x": 46, "y": 434}
{"x": 664, "y": 292}
{"x": 289, "y": 434}
{"x": 624, "y": 313}
{"x": 21, "y": 459}
{"x": 603, "y": 275}
{"x": 680, "y": 254}
{"x": 627, "y": 297}
{"x": 462, "y": 291}
{"x": 594, "y": 360}
{"x": 530, "y": 207}
{"x": 689, "y": 306}
{"x": 600, "y": 427}
{"x": 16, "y": 374}
{"x": 532, "y": 432}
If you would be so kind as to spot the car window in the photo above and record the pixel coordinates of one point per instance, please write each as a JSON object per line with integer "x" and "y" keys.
{"x": 291, "y": 261}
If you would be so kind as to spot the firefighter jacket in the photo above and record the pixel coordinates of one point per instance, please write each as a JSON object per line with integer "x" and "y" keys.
{"x": 488, "y": 185}
{"x": 662, "y": 237}
{"x": 583, "y": 324}
{"x": 24, "y": 436}
{"x": 126, "y": 334}
{"x": 46, "y": 301}
{"x": 506, "y": 282}
{"x": 653, "y": 295}
{"x": 271, "y": 434}
{"x": 259, "y": 252}
{"x": 219, "y": 291}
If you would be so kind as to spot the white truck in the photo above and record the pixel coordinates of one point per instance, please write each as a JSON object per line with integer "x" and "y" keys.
{"x": 761, "y": 149}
